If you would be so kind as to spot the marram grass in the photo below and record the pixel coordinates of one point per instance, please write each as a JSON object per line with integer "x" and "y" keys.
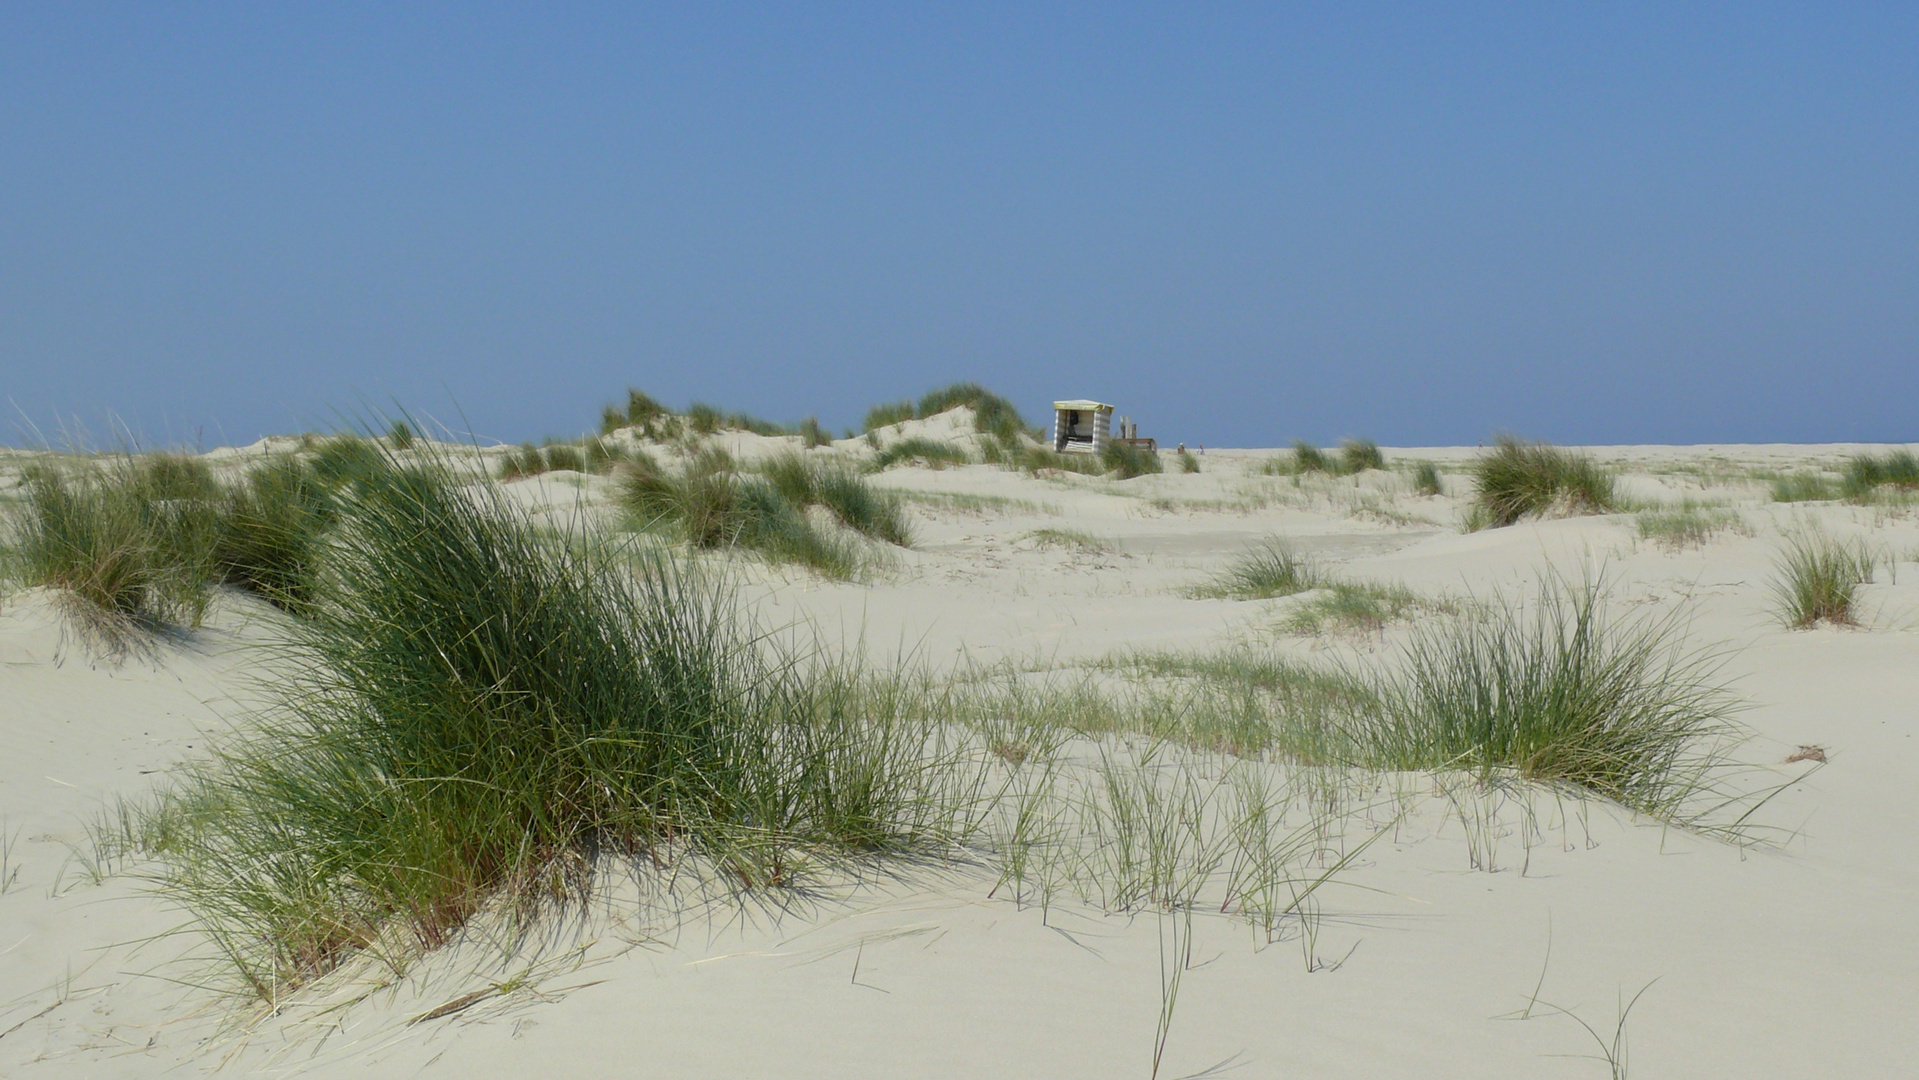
{"x": 1555, "y": 689}
{"x": 1519, "y": 480}
{"x": 1126, "y": 461}
{"x": 476, "y": 716}
{"x": 711, "y": 503}
{"x": 1268, "y": 569}
{"x": 127, "y": 542}
{"x": 1818, "y": 579}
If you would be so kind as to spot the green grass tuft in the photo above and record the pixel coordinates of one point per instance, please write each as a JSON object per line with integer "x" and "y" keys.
{"x": 1033, "y": 459}
{"x": 564, "y": 457}
{"x": 703, "y": 419}
{"x": 888, "y": 414}
{"x": 812, "y": 435}
{"x": 992, "y": 414}
{"x": 711, "y": 505}
{"x": 1687, "y": 525}
{"x": 601, "y": 455}
{"x": 1268, "y": 569}
{"x": 1346, "y": 607}
{"x": 128, "y": 545}
{"x": 1803, "y": 487}
{"x": 1519, "y": 480}
{"x": 1358, "y": 455}
{"x": 1819, "y": 578}
{"x": 1555, "y": 690}
{"x": 804, "y": 481}
{"x": 1070, "y": 539}
{"x": 1866, "y": 473}
{"x": 348, "y": 460}
{"x": 1426, "y": 479}
{"x": 399, "y": 435}
{"x": 477, "y": 717}
{"x": 1127, "y": 461}
{"x": 929, "y": 453}
{"x": 173, "y": 476}
{"x": 273, "y": 533}
{"x": 1187, "y": 462}
{"x": 1308, "y": 458}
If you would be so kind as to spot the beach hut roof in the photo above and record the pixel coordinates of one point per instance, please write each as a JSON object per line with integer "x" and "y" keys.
{"x": 1083, "y": 406}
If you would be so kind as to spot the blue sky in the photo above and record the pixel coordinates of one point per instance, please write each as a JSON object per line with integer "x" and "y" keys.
{"x": 1420, "y": 223}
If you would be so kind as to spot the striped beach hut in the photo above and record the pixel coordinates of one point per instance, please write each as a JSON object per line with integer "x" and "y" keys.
{"x": 1081, "y": 426}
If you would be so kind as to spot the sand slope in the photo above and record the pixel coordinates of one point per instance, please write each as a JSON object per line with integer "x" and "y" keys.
{"x": 1791, "y": 958}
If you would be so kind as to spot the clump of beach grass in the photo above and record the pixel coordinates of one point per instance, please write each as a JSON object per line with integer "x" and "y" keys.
{"x": 888, "y": 414}
{"x": 710, "y": 503}
{"x": 1426, "y": 479}
{"x": 1551, "y": 688}
{"x": 1126, "y": 461}
{"x": 347, "y": 459}
{"x": 924, "y": 452}
{"x": 170, "y": 477}
{"x": 273, "y": 532}
{"x": 1556, "y": 690}
{"x": 1866, "y": 473}
{"x": 128, "y": 543}
{"x": 1268, "y": 569}
{"x": 588, "y": 455}
{"x": 992, "y": 414}
{"x": 1359, "y": 455}
{"x": 1803, "y": 487}
{"x": 1070, "y": 539}
{"x": 812, "y": 435}
{"x": 654, "y": 420}
{"x": 1687, "y": 524}
{"x": 1518, "y": 480}
{"x": 1308, "y": 458}
{"x": 1034, "y": 459}
{"x": 479, "y": 717}
{"x": 1187, "y": 462}
{"x": 1359, "y": 607}
{"x": 399, "y": 435}
{"x": 1818, "y": 579}
{"x": 806, "y": 481}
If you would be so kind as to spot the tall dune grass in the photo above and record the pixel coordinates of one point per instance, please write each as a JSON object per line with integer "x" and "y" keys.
{"x": 711, "y": 503}
{"x": 273, "y": 532}
{"x": 1309, "y": 458}
{"x": 1126, "y": 461}
{"x": 1818, "y": 579}
{"x": 1557, "y": 690}
{"x": 1268, "y": 569}
{"x": 1552, "y": 687}
{"x": 128, "y": 542}
{"x": 888, "y": 413}
{"x": 1518, "y": 480}
{"x": 992, "y": 414}
{"x": 929, "y": 453}
{"x": 1866, "y": 473}
{"x": 477, "y": 715}
{"x": 1804, "y": 487}
{"x": 1426, "y": 479}
{"x": 807, "y": 481}
{"x": 1359, "y": 455}
{"x": 1033, "y": 459}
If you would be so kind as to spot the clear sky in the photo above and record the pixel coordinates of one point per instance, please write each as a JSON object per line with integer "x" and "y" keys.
{"x": 1420, "y": 223}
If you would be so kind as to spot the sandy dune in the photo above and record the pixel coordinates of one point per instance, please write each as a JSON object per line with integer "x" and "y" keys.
{"x": 1790, "y": 956}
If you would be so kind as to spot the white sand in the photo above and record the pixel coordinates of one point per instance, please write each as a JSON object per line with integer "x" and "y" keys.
{"x": 1788, "y": 959}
